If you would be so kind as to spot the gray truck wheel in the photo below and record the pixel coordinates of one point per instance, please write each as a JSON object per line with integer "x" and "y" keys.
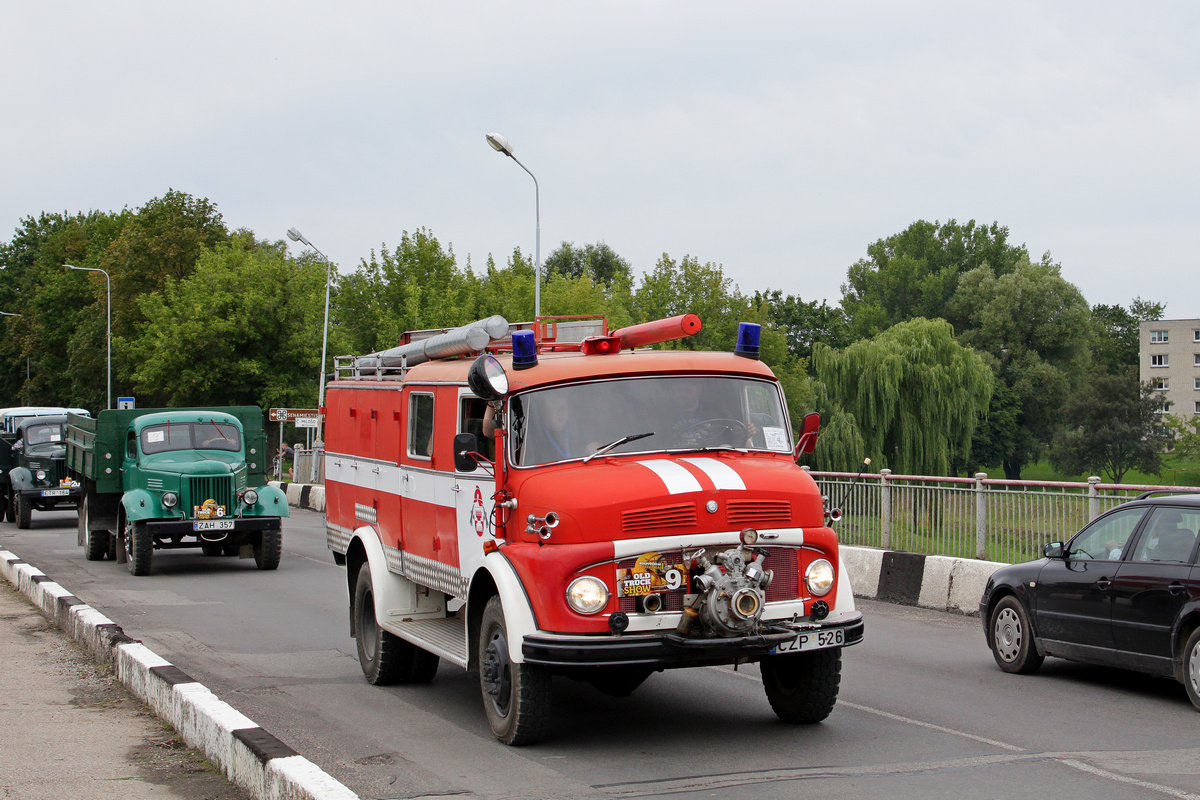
{"x": 95, "y": 543}
{"x": 268, "y": 549}
{"x": 139, "y": 548}
{"x": 802, "y": 687}
{"x": 516, "y": 697}
{"x": 24, "y": 507}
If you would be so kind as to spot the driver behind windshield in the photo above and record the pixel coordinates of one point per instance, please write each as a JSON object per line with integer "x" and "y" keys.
{"x": 698, "y": 421}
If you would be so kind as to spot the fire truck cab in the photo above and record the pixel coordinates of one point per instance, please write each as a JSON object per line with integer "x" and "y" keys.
{"x": 551, "y": 498}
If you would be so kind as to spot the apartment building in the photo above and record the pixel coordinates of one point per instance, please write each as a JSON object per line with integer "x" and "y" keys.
{"x": 1169, "y": 357}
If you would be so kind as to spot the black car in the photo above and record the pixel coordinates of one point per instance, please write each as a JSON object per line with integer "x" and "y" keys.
{"x": 1123, "y": 592}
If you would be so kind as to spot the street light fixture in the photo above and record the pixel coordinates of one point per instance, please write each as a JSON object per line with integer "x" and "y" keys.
{"x": 108, "y": 281}
{"x": 297, "y": 236}
{"x": 501, "y": 145}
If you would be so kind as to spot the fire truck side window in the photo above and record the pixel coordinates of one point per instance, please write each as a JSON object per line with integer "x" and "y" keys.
{"x": 470, "y": 420}
{"x": 420, "y": 425}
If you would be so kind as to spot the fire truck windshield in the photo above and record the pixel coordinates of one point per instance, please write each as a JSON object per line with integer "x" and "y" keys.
{"x": 657, "y": 414}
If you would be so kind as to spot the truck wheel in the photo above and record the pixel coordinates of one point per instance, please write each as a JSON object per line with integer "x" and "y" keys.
{"x": 23, "y": 511}
{"x": 1011, "y": 638}
{"x": 139, "y": 548}
{"x": 385, "y": 657}
{"x": 95, "y": 543}
{"x": 211, "y": 549}
{"x": 268, "y": 549}
{"x": 3, "y": 505}
{"x": 110, "y": 546}
{"x": 10, "y": 508}
{"x": 516, "y": 697}
{"x": 802, "y": 687}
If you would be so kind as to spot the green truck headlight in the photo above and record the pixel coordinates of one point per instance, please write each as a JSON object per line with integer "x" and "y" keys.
{"x": 170, "y": 499}
{"x": 250, "y": 497}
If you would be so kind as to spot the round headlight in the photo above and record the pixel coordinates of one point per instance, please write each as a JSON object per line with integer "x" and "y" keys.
{"x": 250, "y": 496}
{"x": 819, "y": 577}
{"x": 170, "y": 499}
{"x": 587, "y": 595}
{"x": 41, "y": 474}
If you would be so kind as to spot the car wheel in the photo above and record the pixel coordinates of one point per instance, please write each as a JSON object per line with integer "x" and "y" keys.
{"x": 1012, "y": 638}
{"x": 139, "y": 548}
{"x": 385, "y": 658}
{"x": 1191, "y": 668}
{"x": 516, "y": 697}
{"x": 268, "y": 549}
{"x": 802, "y": 687}
{"x": 95, "y": 543}
{"x": 23, "y": 511}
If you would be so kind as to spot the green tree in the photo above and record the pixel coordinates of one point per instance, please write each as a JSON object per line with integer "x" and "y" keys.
{"x": 1035, "y": 327}
{"x": 909, "y": 398}
{"x": 243, "y": 328}
{"x": 1111, "y": 424}
{"x": 805, "y": 323}
{"x": 916, "y": 272}
{"x": 597, "y": 261}
{"x": 1117, "y": 331}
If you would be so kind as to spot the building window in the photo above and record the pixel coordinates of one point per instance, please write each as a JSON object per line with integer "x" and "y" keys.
{"x": 1196, "y": 336}
{"x": 1196, "y": 359}
{"x": 1158, "y": 337}
{"x": 1197, "y": 411}
{"x": 1164, "y": 431}
{"x": 1161, "y": 384}
{"x": 1160, "y": 360}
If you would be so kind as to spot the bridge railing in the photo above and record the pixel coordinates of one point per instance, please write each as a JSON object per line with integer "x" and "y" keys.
{"x": 980, "y": 517}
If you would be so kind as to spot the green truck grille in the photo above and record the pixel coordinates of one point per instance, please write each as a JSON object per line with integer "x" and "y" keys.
{"x": 219, "y": 488}
{"x": 55, "y": 469}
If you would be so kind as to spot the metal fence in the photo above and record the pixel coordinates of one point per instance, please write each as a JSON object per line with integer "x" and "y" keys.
{"x": 980, "y": 517}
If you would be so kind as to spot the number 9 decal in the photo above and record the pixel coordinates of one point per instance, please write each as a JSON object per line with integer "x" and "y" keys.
{"x": 674, "y": 578}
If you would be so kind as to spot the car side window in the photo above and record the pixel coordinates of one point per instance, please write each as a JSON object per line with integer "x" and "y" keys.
{"x": 1169, "y": 536}
{"x": 1105, "y": 539}
{"x": 470, "y": 420}
{"x": 420, "y": 425}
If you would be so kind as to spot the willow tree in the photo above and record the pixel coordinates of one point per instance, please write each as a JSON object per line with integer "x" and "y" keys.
{"x": 910, "y": 398}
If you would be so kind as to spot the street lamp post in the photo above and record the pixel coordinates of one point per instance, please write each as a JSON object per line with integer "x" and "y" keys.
{"x": 297, "y": 236}
{"x": 108, "y": 281}
{"x": 501, "y": 145}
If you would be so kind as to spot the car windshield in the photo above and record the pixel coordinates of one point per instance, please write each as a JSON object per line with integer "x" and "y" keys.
{"x": 43, "y": 434}
{"x": 680, "y": 413}
{"x": 191, "y": 436}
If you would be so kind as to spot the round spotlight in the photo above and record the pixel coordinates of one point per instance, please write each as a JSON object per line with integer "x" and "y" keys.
{"x": 587, "y": 594}
{"x": 819, "y": 577}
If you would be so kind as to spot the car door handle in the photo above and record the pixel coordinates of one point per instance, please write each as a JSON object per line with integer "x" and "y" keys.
{"x": 1176, "y": 587}
{"x": 1103, "y": 584}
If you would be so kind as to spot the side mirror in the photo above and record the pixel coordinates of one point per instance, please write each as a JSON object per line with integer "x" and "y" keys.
{"x": 1054, "y": 550}
{"x": 808, "y": 434}
{"x": 488, "y": 379}
{"x": 465, "y": 445}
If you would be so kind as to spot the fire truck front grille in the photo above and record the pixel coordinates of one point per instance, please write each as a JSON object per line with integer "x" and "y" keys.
{"x": 739, "y": 513}
{"x": 644, "y": 519}
{"x": 785, "y": 585}
{"x": 219, "y": 488}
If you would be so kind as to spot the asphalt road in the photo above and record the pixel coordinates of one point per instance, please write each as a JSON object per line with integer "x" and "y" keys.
{"x": 923, "y": 711}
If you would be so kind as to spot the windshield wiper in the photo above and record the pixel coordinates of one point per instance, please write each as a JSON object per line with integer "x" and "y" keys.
{"x": 617, "y": 443}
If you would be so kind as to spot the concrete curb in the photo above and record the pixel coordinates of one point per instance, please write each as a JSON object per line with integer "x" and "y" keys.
{"x": 248, "y": 755}
{"x": 937, "y": 582}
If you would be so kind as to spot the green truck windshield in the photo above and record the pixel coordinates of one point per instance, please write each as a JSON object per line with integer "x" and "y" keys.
{"x": 190, "y": 436}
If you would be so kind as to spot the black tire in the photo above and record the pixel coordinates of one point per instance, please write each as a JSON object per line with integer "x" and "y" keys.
{"x": 95, "y": 543}
{"x": 24, "y": 511}
{"x": 110, "y": 548}
{"x": 802, "y": 688}
{"x": 10, "y": 508}
{"x": 385, "y": 658}
{"x": 1191, "y": 668}
{"x": 268, "y": 549}
{"x": 516, "y": 697}
{"x": 212, "y": 548}
{"x": 1011, "y": 638}
{"x": 231, "y": 549}
{"x": 3, "y": 505}
{"x": 139, "y": 548}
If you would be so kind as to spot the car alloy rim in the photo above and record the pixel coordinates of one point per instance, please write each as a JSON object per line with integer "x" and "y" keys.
{"x": 1007, "y": 634}
{"x": 1194, "y": 668}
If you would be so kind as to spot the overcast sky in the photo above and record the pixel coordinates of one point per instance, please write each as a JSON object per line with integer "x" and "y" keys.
{"x": 776, "y": 139}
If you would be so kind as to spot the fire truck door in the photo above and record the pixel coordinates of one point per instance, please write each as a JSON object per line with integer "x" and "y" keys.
{"x": 473, "y": 490}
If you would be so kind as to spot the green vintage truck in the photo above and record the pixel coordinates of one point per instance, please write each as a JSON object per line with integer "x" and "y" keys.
{"x": 168, "y": 478}
{"x": 10, "y": 418}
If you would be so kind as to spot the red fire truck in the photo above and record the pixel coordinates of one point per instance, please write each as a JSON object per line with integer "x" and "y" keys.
{"x": 552, "y": 498}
